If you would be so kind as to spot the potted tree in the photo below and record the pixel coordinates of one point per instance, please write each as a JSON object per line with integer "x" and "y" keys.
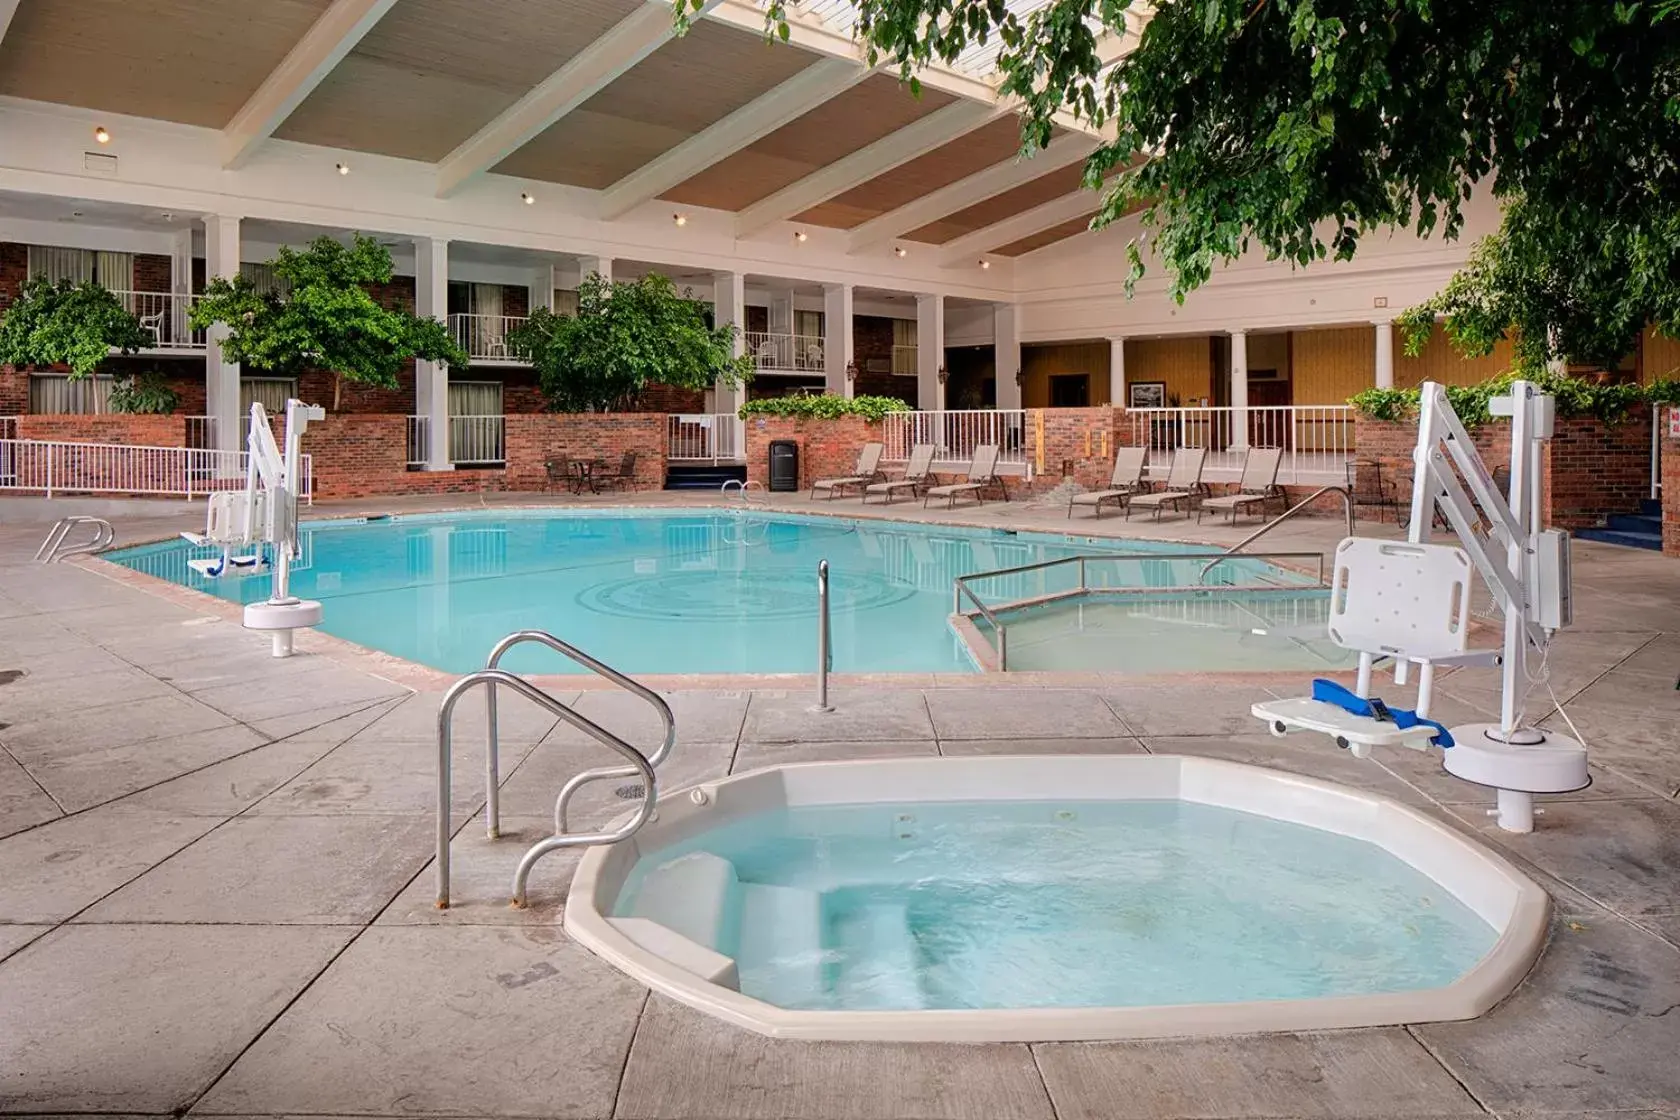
{"x": 70, "y": 325}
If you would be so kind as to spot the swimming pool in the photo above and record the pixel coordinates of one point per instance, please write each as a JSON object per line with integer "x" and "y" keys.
{"x": 713, "y": 591}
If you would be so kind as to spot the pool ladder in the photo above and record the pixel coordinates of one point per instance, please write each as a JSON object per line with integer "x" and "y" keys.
{"x": 54, "y": 548}
{"x": 637, "y": 765}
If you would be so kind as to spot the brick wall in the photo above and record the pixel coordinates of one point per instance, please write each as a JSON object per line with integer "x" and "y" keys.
{"x": 14, "y": 270}
{"x": 872, "y": 338}
{"x": 140, "y": 431}
{"x": 152, "y": 273}
{"x": 667, "y": 398}
{"x": 534, "y": 439}
{"x": 827, "y": 448}
{"x": 1670, "y": 495}
{"x": 14, "y": 391}
{"x": 1078, "y": 443}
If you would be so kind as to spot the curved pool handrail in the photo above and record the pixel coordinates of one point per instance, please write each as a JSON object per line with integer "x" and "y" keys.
{"x": 53, "y": 548}
{"x": 491, "y": 678}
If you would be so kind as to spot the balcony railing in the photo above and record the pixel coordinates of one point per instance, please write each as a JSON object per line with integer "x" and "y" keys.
{"x": 789, "y": 353}
{"x": 955, "y": 434}
{"x": 165, "y": 315}
{"x": 904, "y": 361}
{"x": 484, "y": 337}
{"x": 707, "y": 438}
{"x": 1317, "y": 439}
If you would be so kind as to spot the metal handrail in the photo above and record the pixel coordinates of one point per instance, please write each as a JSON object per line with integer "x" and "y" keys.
{"x": 1347, "y": 509}
{"x": 962, "y": 588}
{"x": 744, "y": 495}
{"x": 52, "y": 549}
{"x": 825, "y": 649}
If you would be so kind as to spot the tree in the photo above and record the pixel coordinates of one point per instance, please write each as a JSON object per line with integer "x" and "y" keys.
{"x": 322, "y": 316}
{"x": 625, "y": 337}
{"x": 77, "y": 325}
{"x": 1299, "y": 126}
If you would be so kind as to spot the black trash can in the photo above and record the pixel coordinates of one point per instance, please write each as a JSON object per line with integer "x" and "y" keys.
{"x": 784, "y": 465}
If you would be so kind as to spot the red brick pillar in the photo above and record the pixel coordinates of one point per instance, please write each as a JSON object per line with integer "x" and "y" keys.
{"x": 1670, "y": 485}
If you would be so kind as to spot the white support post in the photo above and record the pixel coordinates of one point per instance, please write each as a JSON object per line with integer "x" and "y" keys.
{"x": 729, "y": 307}
{"x": 601, "y": 266}
{"x": 837, "y": 340}
{"x": 541, "y": 287}
{"x": 1385, "y": 354}
{"x": 181, "y": 261}
{"x": 431, "y": 379}
{"x": 781, "y": 310}
{"x": 930, "y": 352}
{"x": 1239, "y": 390}
{"x": 1006, "y": 355}
{"x": 221, "y": 377}
{"x": 1117, "y": 372}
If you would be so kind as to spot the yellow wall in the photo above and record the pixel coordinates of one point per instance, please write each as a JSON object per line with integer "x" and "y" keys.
{"x": 1269, "y": 351}
{"x": 1333, "y": 363}
{"x": 1183, "y": 362}
{"x": 1440, "y": 362}
{"x": 1040, "y": 361}
{"x": 1660, "y": 359}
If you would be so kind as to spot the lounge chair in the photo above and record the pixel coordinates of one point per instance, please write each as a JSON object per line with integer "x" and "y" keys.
{"x": 982, "y": 476}
{"x": 1126, "y": 481}
{"x": 868, "y": 470}
{"x": 1257, "y": 486}
{"x": 918, "y": 475}
{"x": 1184, "y": 483}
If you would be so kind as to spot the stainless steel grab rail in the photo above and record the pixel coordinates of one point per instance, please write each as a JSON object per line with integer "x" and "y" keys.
{"x": 825, "y": 648}
{"x": 53, "y": 548}
{"x": 1347, "y": 509}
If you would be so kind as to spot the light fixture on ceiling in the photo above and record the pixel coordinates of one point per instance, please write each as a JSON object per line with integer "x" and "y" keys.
{"x": 799, "y": 235}
{"x": 900, "y": 251}
{"x": 984, "y": 263}
{"x": 680, "y": 219}
{"x": 343, "y": 168}
{"x": 525, "y": 197}
{"x": 101, "y": 135}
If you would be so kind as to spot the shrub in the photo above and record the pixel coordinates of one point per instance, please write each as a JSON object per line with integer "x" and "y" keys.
{"x": 144, "y": 393}
{"x": 1575, "y": 396}
{"x": 825, "y": 407}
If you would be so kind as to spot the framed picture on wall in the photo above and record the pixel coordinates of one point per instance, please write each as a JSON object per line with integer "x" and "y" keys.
{"x": 1146, "y": 394}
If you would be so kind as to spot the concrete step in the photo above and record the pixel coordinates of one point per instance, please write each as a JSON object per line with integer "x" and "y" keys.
{"x": 1651, "y": 541}
{"x": 1633, "y": 523}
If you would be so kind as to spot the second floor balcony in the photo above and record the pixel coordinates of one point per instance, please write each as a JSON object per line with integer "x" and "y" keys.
{"x": 484, "y": 337}
{"x": 785, "y": 353}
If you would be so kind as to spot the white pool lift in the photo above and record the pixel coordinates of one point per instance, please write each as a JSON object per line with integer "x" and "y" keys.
{"x": 1410, "y": 601}
{"x": 263, "y": 518}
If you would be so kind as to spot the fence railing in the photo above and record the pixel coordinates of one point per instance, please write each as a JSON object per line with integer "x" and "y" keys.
{"x": 484, "y": 337}
{"x": 1317, "y": 439}
{"x": 54, "y": 467}
{"x": 904, "y": 360}
{"x": 801, "y": 353}
{"x": 165, "y": 315}
{"x": 706, "y": 438}
{"x": 8, "y": 427}
{"x": 201, "y": 432}
{"x": 955, "y": 434}
{"x": 477, "y": 440}
{"x": 418, "y": 426}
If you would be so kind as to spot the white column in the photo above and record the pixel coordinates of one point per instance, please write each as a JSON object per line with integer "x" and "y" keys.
{"x": 601, "y": 265}
{"x": 837, "y": 339}
{"x": 431, "y": 379}
{"x": 1239, "y": 390}
{"x": 1117, "y": 372}
{"x": 930, "y": 352}
{"x": 221, "y": 377}
{"x": 180, "y": 261}
{"x": 729, "y": 306}
{"x": 541, "y": 287}
{"x": 1006, "y": 354}
{"x": 1385, "y": 354}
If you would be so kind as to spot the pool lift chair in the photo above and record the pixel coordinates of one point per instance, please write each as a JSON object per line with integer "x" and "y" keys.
{"x": 1410, "y": 601}
{"x": 263, "y": 517}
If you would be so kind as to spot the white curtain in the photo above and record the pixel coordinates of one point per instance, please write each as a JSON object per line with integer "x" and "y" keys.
{"x": 270, "y": 392}
{"x": 58, "y": 394}
{"x": 808, "y": 323}
{"x": 475, "y": 421}
{"x": 904, "y": 332}
{"x": 115, "y": 271}
{"x": 565, "y": 302}
{"x": 489, "y": 328}
{"x": 74, "y": 265}
{"x": 262, "y": 278}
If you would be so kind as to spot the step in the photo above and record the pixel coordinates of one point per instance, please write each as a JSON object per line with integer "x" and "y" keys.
{"x": 878, "y": 965}
{"x": 1650, "y": 507}
{"x": 1633, "y": 523}
{"x": 1651, "y": 541}
{"x": 697, "y": 896}
{"x": 780, "y": 950}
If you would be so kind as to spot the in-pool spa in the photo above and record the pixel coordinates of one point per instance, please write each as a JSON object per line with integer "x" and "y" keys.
{"x": 735, "y": 592}
{"x": 1054, "y": 898}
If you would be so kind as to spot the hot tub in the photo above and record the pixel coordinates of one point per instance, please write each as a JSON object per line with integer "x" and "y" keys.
{"x": 1054, "y": 898}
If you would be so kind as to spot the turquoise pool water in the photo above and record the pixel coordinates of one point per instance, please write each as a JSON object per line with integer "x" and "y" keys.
{"x": 677, "y": 592}
{"x": 1072, "y": 904}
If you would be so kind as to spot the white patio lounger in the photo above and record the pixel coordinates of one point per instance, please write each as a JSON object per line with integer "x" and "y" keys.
{"x": 918, "y": 474}
{"x": 982, "y": 475}
{"x": 1126, "y": 481}
{"x": 1184, "y": 482}
{"x": 868, "y": 469}
{"x": 1258, "y": 485}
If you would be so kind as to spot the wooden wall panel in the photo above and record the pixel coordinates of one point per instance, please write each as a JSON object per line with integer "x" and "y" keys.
{"x": 1660, "y": 357}
{"x": 1041, "y": 361}
{"x": 1269, "y": 351}
{"x": 1333, "y": 363}
{"x": 1442, "y": 363}
{"x": 1183, "y": 362}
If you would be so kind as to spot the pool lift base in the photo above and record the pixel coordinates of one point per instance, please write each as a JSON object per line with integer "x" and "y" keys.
{"x": 1411, "y": 601}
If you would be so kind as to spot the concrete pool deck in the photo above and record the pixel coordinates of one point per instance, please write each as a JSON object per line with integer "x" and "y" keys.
{"x": 215, "y": 898}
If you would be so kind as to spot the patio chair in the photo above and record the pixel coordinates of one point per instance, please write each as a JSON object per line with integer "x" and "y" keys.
{"x": 1126, "y": 481}
{"x": 918, "y": 475}
{"x": 1184, "y": 483}
{"x": 982, "y": 476}
{"x": 559, "y": 470}
{"x": 1257, "y": 486}
{"x": 867, "y": 470}
{"x": 624, "y": 476}
{"x": 1369, "y": 486}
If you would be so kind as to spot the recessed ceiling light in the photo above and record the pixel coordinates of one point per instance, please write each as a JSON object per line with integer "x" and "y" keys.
{"x": 984, "y": 263}
{"x": 343, "y": 168}
{"x": 101, "y": 135}
{"x": 680, "y": 219}
{"x": 899, "y": 251}
{"x": 799, "y": 235}
{"x": 525, "y": 197}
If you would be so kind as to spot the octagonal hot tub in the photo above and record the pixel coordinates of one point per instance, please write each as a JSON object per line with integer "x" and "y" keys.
{"x": 1038, "y": 898}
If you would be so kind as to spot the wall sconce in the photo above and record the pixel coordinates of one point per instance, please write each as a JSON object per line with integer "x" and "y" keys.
{"x": 944, "y": 375}
{"x": 851, "y": 371}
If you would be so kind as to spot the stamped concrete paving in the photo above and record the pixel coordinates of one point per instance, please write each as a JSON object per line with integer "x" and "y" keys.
{"x": 215, "y": 888}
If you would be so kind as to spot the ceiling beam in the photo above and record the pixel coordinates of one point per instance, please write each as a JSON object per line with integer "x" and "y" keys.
{"x": 790, "y": 100}
{"x": 976, "y": 188}
{"x": 893, "y": 150}
{"x": 970, "y": 247}
{"x": 322, "y": 47}
{"x": 625, "y": 44}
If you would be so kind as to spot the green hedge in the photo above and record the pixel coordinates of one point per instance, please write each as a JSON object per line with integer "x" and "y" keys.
{"x": 1608, "y": 403}
{"x": 825, "y": 407}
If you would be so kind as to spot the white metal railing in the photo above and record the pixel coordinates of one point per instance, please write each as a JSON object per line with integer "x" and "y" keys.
{"x": 1659, "y": 413}
{"x": 418, "y": 426}
{"x": 1317, "y": 439}
{"x": 719, "y": 437}
{"x": 477, "y": 440}
{"x": 201, "y": 432}
{"x": 165, "y": 315}
{"x": 8, "y": 427}
{"x": 904, "y": 361}
{"x": 484, "y": 337}
{"x": 801, "y": 353}
{"x": 955, "y": 434}
{"x": 55, "y": 467}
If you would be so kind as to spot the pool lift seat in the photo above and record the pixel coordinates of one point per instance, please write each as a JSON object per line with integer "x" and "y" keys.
{"x": 1410, "y": 601}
